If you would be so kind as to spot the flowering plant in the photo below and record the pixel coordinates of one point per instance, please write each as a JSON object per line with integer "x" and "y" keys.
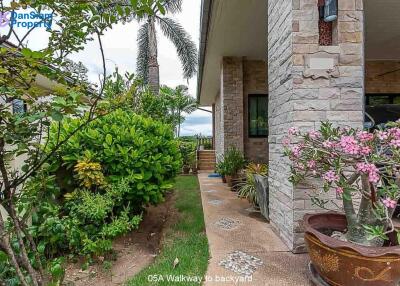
{"x": 361, "y": 167}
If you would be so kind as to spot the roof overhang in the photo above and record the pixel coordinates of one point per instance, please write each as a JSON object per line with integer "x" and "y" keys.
{"x": 233, "y": 28}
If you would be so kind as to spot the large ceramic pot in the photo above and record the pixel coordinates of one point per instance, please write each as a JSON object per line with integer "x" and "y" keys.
{"x": 348, "y": 264}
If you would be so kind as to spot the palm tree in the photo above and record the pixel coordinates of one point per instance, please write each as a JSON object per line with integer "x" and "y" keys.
{"x": 180, "y": 103}
{"x": 147, "y": 63}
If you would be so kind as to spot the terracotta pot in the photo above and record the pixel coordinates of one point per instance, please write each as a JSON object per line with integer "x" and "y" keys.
{"x": 348, "y": 264}
{"x": 186, "y": 169}
{"x": 228, "y": 180}
{"x": 224, "y": 179}
{"x": 194, "y": 170}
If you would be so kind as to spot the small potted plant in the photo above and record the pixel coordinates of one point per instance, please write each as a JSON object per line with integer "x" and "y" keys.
{"x": 255, "y": 187}
{"x": 193, "y": 162}
{"x": 358, "y": 247}
{"x": 220, "y": 168}
{"x": 235, "y": 162}
{"x": 187, "y": 150}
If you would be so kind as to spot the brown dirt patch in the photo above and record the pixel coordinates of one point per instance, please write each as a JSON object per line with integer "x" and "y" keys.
{"x": 133, "y": 252}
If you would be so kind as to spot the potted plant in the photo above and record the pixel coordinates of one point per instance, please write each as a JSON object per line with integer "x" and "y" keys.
{"x": 187, "y": 150}
{"x": 193, "y": 162}
{"x": 357, "y": 247}
{"x": 220, "y": 168}
{"x": 235, "y": 162}
{"x": 255, "y": 187}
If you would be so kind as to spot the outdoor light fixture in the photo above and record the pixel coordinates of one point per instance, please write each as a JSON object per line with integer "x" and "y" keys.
{"x": 331, "y": 10}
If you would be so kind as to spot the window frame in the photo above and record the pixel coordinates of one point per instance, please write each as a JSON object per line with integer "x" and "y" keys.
{"x": 391, "y": 97}
{"x": 257, "y": 96}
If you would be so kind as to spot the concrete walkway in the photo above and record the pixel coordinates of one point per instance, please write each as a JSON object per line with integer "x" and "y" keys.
{"x": 242, "y": 243}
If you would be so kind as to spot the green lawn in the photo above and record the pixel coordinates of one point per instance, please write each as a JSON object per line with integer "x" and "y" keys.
{"x": 185, "y": 240}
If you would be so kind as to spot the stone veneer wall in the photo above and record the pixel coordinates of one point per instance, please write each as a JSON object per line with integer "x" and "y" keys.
{"x": 254, "y": 82}
{"x": 219, "y": 127}
{"x": 301, "y": 101}
{"x": 232, "y": 102}
{"x": 381, "y": 78}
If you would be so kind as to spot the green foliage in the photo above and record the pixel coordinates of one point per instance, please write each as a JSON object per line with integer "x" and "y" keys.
{"x": 188, "y": 152}
{"x": 248, "y": 189}
{"x": 138, "y": 157}
{"x": 233, "y": 161}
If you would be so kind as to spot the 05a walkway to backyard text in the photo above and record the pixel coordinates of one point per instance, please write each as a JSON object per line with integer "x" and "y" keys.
{"x": 242, "y": 243}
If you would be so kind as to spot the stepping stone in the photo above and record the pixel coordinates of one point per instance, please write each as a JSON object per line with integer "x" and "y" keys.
{"x": 227, "y": 223}
{"x": 215, "y": 202}
{"x": 209, "y": 191}
{"x": 241, "y": 263}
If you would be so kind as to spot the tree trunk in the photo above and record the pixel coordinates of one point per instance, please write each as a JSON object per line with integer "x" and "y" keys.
{"x": 154, "y": 73}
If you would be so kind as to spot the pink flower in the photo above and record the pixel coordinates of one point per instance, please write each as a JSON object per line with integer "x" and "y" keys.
{"x": 365, "y": 150}
{"x": 296, "y": 150}
{"x": 394, "y": 143}
{"x": 383, "y": 135}
{"x": 314, "y": 134}
{"x": 339, "y": 190}
{"x": 349, "y": 145}
{"x": 331, "y": 176}
{"x": 328, "y": 144}
{"x": 364, "y": 136}
{"x": 286, "y": 141}
{"x": 394, "y": 132}
{"x": 311, "y": 164}
{"x": 371, "y": 170}
{"x": 389, "y": 203}
{"x": 293, "y": 131}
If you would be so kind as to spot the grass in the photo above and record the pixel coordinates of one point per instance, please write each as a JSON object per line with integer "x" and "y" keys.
{"x": 185, "y": 240}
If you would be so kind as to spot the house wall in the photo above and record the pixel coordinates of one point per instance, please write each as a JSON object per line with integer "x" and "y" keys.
{"x": 232, "y": 101}
{"x": 301, "y": 97}
{"x": 382, "y": 77}
{"x": 254, "y": 82}
{"x": 219, "y": 127}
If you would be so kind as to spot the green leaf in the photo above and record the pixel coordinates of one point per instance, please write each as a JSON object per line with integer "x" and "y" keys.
{"x": 161, "y": 8}
{"x": 56, "y": 116}
{"x": 109, "y": 139}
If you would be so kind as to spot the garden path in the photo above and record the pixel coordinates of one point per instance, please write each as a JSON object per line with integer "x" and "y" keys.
{"x": 242, "y": 243}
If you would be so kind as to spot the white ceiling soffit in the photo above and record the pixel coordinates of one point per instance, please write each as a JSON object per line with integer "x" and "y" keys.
{"x": 236, "y": 28}
{"x": 382, "y": 28}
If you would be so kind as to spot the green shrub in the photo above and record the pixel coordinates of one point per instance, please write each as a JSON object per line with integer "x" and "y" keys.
{"x": 102, "y": 179}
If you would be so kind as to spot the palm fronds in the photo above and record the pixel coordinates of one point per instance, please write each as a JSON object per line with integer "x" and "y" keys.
{"x": 173, "y": 6}
{"x": 142, "y": 68}
{"x": 186, "y": 48}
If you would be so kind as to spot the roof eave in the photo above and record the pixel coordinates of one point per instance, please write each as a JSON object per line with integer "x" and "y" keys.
{"x": 204, "y": 27}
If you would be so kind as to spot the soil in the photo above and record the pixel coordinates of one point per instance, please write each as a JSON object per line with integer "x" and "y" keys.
{"x": 132, "y": 252}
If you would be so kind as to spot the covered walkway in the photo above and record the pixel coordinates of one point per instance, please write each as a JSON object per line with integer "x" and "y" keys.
{"x": 242, "y": 243}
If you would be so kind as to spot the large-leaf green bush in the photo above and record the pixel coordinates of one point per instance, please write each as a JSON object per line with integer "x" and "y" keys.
{"x": 128, "y": 162}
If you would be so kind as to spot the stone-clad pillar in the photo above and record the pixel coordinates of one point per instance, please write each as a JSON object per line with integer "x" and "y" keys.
{"x": 308, "y": 84}
{"x": 232, "y": 101}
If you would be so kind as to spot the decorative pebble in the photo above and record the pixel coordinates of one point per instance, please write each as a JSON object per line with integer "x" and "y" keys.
{"x": 227, "y": 223}
{"x": 241, "y": 263}
{"x": 215, "y": 202}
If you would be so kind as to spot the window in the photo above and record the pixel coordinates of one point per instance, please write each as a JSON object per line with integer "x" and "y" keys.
{"x": 258, "y": 115}
{"x": 382, "y": 98}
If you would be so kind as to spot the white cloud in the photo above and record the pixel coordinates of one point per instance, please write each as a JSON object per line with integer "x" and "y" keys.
{"x": 121, "y": 49}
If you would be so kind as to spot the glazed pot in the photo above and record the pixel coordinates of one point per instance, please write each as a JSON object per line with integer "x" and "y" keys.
{"x": 341, "y": 263}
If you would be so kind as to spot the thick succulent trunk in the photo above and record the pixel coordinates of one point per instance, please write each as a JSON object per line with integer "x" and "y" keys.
{"x": 154, "y": 73}
{"x": 355, "y": 230}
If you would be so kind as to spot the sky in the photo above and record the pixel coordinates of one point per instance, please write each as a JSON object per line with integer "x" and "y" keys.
{"x": 121, "y": 49}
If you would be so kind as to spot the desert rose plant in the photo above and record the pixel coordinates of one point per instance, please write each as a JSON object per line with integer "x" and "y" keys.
{"x": 362, "y": 168}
